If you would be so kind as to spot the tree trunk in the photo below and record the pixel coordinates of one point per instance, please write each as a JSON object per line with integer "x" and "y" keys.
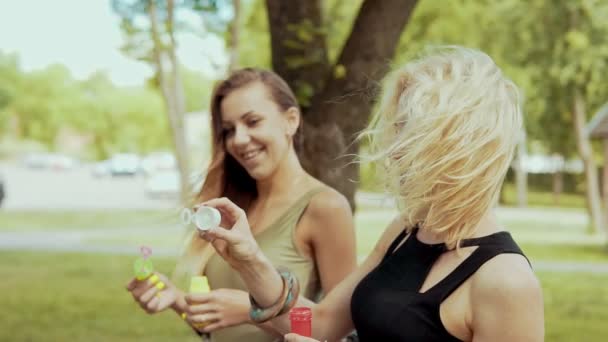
{"x": 605, "y": 176}
{"x": 299, "y": 47}
{"x": 173, "y": 95}
{"x": 343, "y": 94}
{"x": 586, "y": 154}
{"x": 233, "y": 39}
{"x": 521, "y": 177}
{"x": 558, "y": 186}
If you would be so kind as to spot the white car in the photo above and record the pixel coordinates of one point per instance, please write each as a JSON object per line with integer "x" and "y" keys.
{"x": 124, "y": 164}
{"x": 53, "y": 161}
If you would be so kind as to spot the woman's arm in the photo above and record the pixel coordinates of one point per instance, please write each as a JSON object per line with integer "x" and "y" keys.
{"x": 331, "y": 317}
{"x": 329, "y": 230}
{"x": 506, "y": 302}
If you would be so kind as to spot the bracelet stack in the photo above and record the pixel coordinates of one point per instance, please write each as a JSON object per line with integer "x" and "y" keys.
{"x": 288, "y": 298}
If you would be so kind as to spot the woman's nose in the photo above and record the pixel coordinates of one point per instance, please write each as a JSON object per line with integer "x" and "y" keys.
{"x": 241, "y": 136}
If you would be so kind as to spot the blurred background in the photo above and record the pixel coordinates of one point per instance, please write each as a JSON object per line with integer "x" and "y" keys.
{"x": 104, "y": 134}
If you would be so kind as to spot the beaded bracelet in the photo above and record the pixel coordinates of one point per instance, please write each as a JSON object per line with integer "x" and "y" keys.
{"x": 289, "y": 295}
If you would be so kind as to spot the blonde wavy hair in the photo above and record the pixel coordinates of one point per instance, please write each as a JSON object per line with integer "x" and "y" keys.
{"x": 446, "y": 130}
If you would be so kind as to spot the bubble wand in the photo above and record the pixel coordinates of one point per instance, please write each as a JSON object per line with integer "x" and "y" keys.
{"x": 143, "y": 267}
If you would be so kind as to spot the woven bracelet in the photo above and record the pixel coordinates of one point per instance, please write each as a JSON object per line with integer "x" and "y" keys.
{"x": 289, "y": 295}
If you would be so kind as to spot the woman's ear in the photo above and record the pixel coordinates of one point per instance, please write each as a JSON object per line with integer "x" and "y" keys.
{"x": 293, "y": 120}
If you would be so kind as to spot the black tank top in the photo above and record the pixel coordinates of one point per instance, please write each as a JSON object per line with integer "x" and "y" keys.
{"x": 387, "y": 305}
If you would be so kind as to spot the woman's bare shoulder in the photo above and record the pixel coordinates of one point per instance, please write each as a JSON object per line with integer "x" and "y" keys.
{"x": 327, "y": 201}
{"x": 504, "y": 272}
{"x": 506, "y": 301}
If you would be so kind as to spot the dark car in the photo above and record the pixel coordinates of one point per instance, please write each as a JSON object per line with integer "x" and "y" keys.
{"x": 1, "y": 190}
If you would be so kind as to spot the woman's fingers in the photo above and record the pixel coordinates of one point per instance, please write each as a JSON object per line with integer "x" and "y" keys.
{"x": 298, "y": 338}
{"x": 223, "y": 234}
{"x": 198, "y": 298}
{"x": 131, "y": 284}
{"x": 152, "y": 305}
{"x": 149, "y": 294}
{"x": 226, "y": 207}
{"x": 204, "y": 318}
{"x": 213, "y": 326}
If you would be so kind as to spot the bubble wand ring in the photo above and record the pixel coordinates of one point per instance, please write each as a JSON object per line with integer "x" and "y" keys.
{"x": 143, "y": 266}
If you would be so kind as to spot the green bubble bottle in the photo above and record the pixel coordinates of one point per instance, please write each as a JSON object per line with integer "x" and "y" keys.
{"x": 143, "y": 267}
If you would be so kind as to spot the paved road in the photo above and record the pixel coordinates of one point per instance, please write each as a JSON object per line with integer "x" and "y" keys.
{"x": 30, "y": 189}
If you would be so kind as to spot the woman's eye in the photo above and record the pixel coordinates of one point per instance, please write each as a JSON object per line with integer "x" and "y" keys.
{"x": 253, "y": 122}
{"x": 227, "y": 131}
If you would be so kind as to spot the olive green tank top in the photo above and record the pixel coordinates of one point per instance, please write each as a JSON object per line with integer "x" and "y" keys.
{"x": 278, "y": 244}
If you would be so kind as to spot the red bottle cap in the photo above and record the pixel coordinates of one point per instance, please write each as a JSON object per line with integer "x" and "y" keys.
{"x": 301, "y": 321}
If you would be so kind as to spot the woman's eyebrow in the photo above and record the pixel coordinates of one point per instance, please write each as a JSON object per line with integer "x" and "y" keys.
{"x": 242, "y": 116}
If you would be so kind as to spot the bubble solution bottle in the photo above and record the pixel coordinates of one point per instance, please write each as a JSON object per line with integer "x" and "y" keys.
{"x": 301, "y": 321}
{"x": 199, "y": 284}
{"x": 143, "y": 267}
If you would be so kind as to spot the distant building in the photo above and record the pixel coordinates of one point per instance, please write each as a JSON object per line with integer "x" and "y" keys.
{"x": 539, "y": 163}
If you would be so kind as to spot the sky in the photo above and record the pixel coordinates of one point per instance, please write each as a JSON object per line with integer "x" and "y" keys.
{"x": 84, "y": 35}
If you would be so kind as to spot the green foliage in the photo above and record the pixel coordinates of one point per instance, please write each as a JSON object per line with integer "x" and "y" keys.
{"x": 547, "y": 47}
{"x": 45, "y": 102}
{"x": 254, "y": 42}
{"x": 197, "y": 90}
{"x": 338, "y": 18}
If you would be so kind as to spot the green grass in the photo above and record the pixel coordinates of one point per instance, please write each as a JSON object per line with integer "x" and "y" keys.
{"x": 81, "y": 297}
{"x": 77, "y": 297}
{"x": 35, "y": 220}
{"x": 576, "y": 306}
{"x": 543, "y": 199}
{"x": 566, "y": 253}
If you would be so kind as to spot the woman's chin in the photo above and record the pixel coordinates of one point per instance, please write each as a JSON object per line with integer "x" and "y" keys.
{"x": 258, "y": 173}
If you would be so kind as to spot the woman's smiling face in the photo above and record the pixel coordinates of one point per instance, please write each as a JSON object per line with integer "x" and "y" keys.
{"x": 256, "y": 132}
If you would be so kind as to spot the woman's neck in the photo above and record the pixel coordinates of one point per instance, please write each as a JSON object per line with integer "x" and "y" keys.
{"x": 487, "y": 225}
{"x": 285, "y": 178}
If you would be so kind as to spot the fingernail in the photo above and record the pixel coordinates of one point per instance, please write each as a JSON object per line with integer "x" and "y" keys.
{"x": 184, "y": 316}
{"x": 153, "y": 279}
{"x": 160, "y": 285}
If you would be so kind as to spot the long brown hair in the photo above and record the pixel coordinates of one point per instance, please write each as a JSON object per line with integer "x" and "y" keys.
{"x": 225, "y": 176}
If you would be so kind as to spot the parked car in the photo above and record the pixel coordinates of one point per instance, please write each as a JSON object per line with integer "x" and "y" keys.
{"x": 124, "y": 164}
{"x": 1, "y": 190}
{"x": 53, "y": 161}
{"x": 36, "y": 160}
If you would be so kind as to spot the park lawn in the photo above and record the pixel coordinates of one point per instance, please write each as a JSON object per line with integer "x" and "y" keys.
{"x": 543, "y": 238}
{"x": 543, "y": 198}
{"x": 81, "y": 297}
{"x": 77, "y": 297}
{"x": 38, "y": 220}
{"x": 576, "y": 306}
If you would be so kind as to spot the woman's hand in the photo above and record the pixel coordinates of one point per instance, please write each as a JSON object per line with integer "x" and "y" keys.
{"x": 217, "y": 309}
{"x": 298, "y": 338}
{"x": 233, "y": 240}
{"x": 154, "y": 294}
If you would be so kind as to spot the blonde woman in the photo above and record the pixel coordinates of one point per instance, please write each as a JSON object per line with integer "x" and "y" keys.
{"x": 444, "y": 270}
